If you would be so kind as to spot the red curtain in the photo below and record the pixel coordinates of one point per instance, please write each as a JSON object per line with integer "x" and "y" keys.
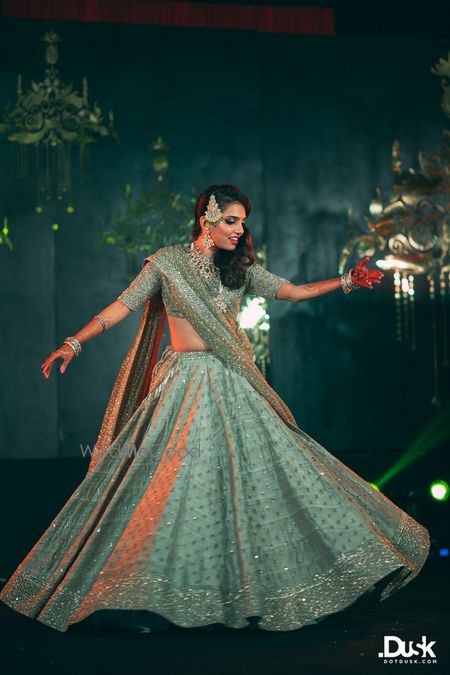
{"x": 268, "y": 18}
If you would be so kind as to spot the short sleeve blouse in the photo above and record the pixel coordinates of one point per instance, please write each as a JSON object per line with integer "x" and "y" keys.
{"x": 263, "y": 283}
{"x": 142, "y": 288}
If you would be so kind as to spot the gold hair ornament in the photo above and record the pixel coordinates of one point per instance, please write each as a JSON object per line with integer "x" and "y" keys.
{"x": 213, "y": 213}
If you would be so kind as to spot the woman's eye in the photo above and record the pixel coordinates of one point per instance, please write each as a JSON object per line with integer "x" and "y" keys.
{"x": 231, "y": 221}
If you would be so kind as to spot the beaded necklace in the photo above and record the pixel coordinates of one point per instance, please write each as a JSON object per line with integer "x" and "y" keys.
{"x": 205, "y": 265}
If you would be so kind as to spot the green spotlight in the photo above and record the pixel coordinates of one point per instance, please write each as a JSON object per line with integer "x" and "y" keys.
{"x": 432, "y": 435}
{"x": 55, "y": 226}
{"x": 439, "y": 490}
{"x": 374, "y": 485}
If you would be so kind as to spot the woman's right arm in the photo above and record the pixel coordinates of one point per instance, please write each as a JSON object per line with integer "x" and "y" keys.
{"x": 143, "y": 287}
{"x": 112, "y": 314}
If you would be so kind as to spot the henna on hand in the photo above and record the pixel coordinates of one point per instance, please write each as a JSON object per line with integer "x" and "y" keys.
{"x": 361, "y": 276}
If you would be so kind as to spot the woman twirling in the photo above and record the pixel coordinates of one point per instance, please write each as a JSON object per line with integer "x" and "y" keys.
{"x": 204, "y": 503}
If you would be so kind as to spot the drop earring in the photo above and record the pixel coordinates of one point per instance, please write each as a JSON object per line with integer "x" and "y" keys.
{"x": 209, "y": 241}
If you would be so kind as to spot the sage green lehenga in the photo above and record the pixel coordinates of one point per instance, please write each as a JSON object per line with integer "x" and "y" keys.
{"x": 204, "y": 503}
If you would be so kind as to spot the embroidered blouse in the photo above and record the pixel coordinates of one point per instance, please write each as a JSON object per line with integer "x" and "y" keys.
{"x": 259, "y": 282}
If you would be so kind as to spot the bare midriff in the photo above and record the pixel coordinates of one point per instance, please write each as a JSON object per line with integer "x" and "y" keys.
{"x": 183, "y": 336}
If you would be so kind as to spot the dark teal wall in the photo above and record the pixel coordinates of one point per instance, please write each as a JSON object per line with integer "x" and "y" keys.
{"x": 305, "y": 126}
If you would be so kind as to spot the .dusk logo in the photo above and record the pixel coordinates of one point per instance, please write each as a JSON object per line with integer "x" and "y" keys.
{"x": 394, "y": 647}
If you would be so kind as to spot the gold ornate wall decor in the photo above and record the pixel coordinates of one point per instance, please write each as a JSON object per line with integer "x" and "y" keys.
{"x": 409, "y": 236}
{"x": 442, "y": 70}
{"x": 48, "y": 123}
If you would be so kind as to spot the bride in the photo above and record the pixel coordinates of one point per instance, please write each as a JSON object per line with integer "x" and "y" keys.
{"x": 204, "y": 503}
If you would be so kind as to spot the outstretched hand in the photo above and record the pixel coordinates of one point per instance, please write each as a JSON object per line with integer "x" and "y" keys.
{"x": 65, "y": 352}
{"x": 361, "y": 276}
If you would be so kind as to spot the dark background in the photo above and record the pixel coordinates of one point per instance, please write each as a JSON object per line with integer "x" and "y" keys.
{"x": 304, "y": 124}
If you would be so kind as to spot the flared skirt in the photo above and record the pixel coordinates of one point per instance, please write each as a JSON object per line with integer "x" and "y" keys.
{"x": 208, "y": 509}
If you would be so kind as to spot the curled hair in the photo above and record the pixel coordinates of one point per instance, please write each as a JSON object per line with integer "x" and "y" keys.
{"x": 233, "y": 265}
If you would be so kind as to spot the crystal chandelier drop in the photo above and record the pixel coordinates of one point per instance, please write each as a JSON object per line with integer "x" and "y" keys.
{"x": 409, "y": 236}
{"x": 48, "y": 123}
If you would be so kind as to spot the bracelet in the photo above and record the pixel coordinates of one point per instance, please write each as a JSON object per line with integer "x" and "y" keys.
{"x": 102, "y": 322}
{"x": 347, "y": 283}
{"x": 74, "y": 343}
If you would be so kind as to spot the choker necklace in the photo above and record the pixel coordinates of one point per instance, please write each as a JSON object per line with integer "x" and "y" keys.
{"x": 205, "y": 265}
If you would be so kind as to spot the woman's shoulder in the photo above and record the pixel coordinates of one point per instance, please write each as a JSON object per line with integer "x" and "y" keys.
{"x": 162, "y": 251}
{"x": 253, "y": 266}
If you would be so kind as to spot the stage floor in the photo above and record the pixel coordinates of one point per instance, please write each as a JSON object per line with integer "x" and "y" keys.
{"x": 346, "y": 642}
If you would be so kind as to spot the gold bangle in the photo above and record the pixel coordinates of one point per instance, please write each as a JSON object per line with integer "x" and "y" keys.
{"x": 102, "y": 321}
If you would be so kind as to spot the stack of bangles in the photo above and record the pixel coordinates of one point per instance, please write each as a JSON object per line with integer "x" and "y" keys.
{"x": 346, "y": 282}
{"x": 75, "y": 344}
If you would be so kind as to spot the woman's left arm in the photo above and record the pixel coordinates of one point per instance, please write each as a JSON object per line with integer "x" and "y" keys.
{"x": 359, "y": 275}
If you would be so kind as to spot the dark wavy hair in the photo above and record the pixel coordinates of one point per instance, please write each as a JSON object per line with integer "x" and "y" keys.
{"x": 233, "y": 265}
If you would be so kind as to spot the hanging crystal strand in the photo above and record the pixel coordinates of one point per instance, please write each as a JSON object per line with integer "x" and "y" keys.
{"x": 405, "y": 308}
{"x": 38, "y": 177}
{"x": 19, "y": 171}
{"x": 42, "y": 169}
{"x": 84, "y": 161}
{"x": 25, "y": 160}
{"x": 404, "y": 286}
{"x": 46, "y": 171}
{"x": 432, "y": 292}
{"x": 41, "y": 180}
{"x": 444, "y": 285}
{"x": 37, "y": 183}
{"x": 412, "y": 314}
{"x": 70, "y": 206}
{"x": 63, "y": 179}
{"x": 21, "y": 148}
{"x": 54, "y": 183}
{"x": 88, "y": 159}
{"x": 55, "y": 170}
{"x": 59, "y": 166}
{"x": 398, "y": 307}
{"x": 20, "y": 161}
{"x": 51, "y": 155}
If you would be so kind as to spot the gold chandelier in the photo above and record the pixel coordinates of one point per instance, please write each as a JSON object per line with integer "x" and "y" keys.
{"x": 410, "y": 237}
{"x": 49, "y": 122}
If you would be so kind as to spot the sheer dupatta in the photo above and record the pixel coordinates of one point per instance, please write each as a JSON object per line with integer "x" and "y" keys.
{"x": 221, "y": 332}
{"x": 133, "y": 380}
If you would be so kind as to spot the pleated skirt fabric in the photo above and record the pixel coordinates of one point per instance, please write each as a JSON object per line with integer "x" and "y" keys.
{"x": 207, "y": 510}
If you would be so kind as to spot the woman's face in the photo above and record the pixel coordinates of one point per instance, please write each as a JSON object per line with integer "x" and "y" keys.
{"x": 227, "y": 231}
